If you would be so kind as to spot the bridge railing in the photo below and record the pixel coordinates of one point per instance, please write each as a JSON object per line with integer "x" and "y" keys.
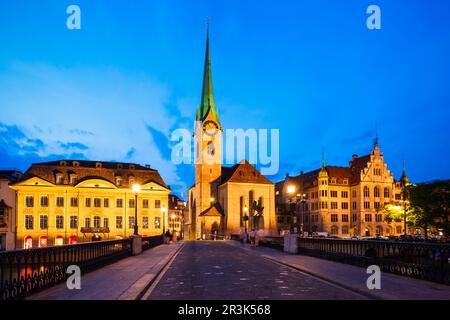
{"x": 151, "y": 242}
{"x": 25, "y": 271}
{"x": 427, "y": 261}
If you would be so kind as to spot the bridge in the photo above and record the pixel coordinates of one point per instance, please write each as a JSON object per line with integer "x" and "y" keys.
{"x": 205, "y": 270}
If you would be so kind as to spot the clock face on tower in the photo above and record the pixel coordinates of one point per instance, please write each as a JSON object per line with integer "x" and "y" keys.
{"x": 210, "y": 128}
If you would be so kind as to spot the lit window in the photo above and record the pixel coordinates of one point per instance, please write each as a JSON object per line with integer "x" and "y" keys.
{"x": 59, "y": 222}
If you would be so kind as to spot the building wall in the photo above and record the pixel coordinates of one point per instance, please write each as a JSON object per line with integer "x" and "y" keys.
{"x": 82, "y": 212}
{"x": 8, "y": 230}
{"x": 232, "y": 193}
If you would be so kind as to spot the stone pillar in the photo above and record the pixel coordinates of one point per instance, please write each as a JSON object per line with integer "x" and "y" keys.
{"x": 136, "y": 245}
{"x": 290, "y": 243}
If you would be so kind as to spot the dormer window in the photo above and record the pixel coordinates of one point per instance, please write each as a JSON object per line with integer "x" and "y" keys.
{"x": 333, "y": 180}
{"x": 131, "y": 166}
{"x": 75, "y": 164}
{"x": 119, "y": 181}
{"x": 63, "y": 163}
{"x": 98, "y": 165}
{"x": 73, "y": 179}
{"x": 59, "y": 178}
{"x": 119, "y": 166}
{"x": 131, "y": 181}
{"x": 345, "y": 181}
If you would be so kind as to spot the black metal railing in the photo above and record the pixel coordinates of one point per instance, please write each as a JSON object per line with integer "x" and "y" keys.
{"x": 427, "y": 261}
{"x": 23, "y": 272}
{"x": 151, "y": 242}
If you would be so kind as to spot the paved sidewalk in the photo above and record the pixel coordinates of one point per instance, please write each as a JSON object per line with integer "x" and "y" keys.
{"x": 393, "y": 287}
{"x": 122, "y": 280}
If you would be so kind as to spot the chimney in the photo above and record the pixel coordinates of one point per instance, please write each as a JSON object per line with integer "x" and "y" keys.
{"x": 148, "y": 166}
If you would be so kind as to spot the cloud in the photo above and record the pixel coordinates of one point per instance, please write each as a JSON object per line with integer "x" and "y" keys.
{"x": 73, "y": 145}
{"x": 130, "y": 153}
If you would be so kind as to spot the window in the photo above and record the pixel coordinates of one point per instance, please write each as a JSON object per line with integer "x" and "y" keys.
{"x": 354, "y": 193}
{"x": 386, "y": 192}
{"x": 131, "y": 181}
{"x": 366, "y": 205}
{"x": 145, "y": 203}
{"x": 366, "y": 192}
{"x": 106, "y": 202}
{"x": 344, "y": 205}
{"x": 96, "y": 222}
{"x": 377, "y": 172}
{"x": 131, "y": 203}
{"x": 210, "y": 149}
{"x": 119, "y": 203}
{"x": 44, "y": 201}
{"x": 87, "y": 202}
{"x": 376, "y": 192}
{"x": 398, "y": 196}
{"x": 144, "y": 222}
{"x": 354, "y": 217}
{"x": 59, "y": 222}
{"x": 398, "y": 229}
{"x": 379, "y": 218}
{"x": 60, "y": 201}
{"x": 376, "y": 205}
{"x": 368, "y": 217}
{"x": 105, "y": 223}
{"x": 119, "y": 181}
{"x": 59, "y": 179}
{"x": 97, "y": 202}
{"x": 334, "y": 205}
{"x": 87, "y": 222}
{"x": 344, "y": 194}
{"x": 345, "y": 230}
{"x": 29, "y": 201}
{"x": 334, "y": 230}
{"x": 43, "y": 222}
{"x": 74, "y": 202}
{"x": 354, "y": 206}
{"x": 119, "y": 222}
{"x": 73, "y": 180}
{"x": 324, "y": 193}
{"x": 157, "y": 222}
{"x": 130, "y": 222}
{"x": 333, "y": 193}
{"x": 157, "y": 204}
{"x": 324, "y": 205}
{"x": 345, "y": 218}
{"x": 73, "y": 222}
{"x": 334, "y": 218}
{"x": 379, "y": 230}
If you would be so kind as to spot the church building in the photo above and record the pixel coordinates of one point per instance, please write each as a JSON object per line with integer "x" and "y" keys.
{"x": 224, "y": 200}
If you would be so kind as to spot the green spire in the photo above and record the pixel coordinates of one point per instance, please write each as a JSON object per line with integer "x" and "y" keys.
{"x": 207, "y": 101}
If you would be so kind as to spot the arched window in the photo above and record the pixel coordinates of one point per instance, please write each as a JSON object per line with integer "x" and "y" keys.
{"x": 210, "y": 149}
{"x": 42, "y": 242}
{"x": 334, "y": 230}
{"x": 251, "y": 198}
{"x": 376, "y": 192}
{"x": 241, "y": 210}
{"x": 386, "y": 192}
{"x": 28, "y": 242}
{"x": 366, "y": 192}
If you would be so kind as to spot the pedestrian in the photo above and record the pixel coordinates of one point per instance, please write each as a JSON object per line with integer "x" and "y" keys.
{"x": 167, "y": 237}
{"x": 259, "y": 236}
{"x": 252, "y": 237}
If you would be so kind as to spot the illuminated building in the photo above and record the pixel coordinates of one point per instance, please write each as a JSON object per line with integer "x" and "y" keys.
{"x": 70, "y": 201}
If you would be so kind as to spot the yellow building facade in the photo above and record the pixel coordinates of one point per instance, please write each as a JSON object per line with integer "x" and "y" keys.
{"x": 342, "y": 201}
{"x": 67, "y": 202}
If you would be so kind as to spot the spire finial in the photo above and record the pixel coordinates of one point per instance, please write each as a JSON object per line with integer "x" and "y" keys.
{"x": 375, "y": 141}
{"x": 323, "y": 158}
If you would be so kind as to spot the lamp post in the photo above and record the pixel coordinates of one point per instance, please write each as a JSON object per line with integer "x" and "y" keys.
{"x": 136, "y": 189}
{"x": 164, "y": 218}
{"x": 291, "y": 190}
{"x": 299, "y": 199}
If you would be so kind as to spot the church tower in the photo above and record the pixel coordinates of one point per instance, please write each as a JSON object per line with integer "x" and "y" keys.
{"x": 208, "y": 141}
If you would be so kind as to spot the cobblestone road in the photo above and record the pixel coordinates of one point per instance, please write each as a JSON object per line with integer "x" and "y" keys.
{"x": 215, "y": 270}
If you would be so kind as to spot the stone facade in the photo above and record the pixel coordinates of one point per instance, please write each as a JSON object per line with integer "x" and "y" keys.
{"x": 65, "y": 202}
{"x": 342, "y": 201}
{"x": 8, "y": 209}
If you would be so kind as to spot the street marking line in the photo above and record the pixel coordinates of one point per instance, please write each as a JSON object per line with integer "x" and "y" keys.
{"x": 313, "y": 275}
{"x": 148, "y": 290}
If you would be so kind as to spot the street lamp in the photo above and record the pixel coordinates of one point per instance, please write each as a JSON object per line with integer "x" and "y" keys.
{"x": 136, "y": 189}
{"x": 173, "y": 223}
{"x": 164, "y": 218}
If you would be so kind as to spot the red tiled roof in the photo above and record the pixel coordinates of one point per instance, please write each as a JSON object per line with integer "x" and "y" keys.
{"x": 243, "y": 172}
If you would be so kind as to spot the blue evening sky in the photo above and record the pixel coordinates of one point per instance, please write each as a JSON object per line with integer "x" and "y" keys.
{"x": 117, "y": 88}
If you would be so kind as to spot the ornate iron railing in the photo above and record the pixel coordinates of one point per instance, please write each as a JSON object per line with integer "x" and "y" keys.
{"x": 23, "y": 272}
{"x": 427, "y": 261}
{"x": 150, "y": 242}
